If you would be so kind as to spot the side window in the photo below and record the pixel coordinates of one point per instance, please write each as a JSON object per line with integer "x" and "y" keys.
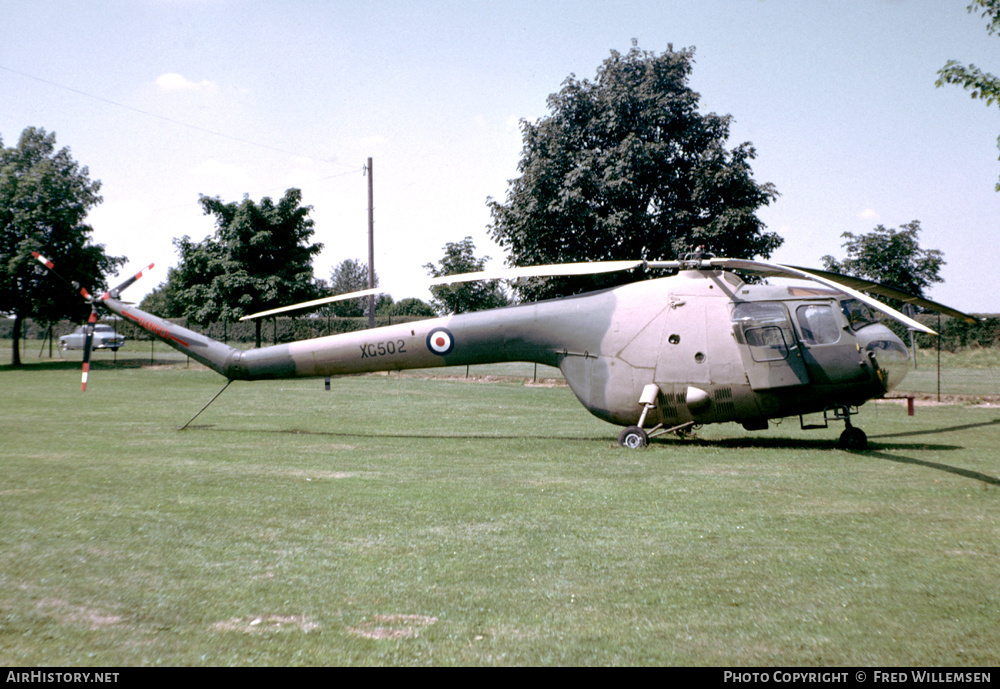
{"x": 765, "y": 328}
{"x": 818, "y": 324}
{"x": 858, "y": 314}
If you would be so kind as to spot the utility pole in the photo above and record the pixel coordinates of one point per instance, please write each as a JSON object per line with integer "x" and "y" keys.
{"x": 910, "y": 311}
{"x": 371, "y": 248}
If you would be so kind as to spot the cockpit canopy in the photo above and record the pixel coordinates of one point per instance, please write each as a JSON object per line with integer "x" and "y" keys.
{"x": 858, "y": 313}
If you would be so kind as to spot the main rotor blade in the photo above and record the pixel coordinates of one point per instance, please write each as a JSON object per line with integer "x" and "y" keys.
{"x": 554, "y": 270}
{"x": 776, "y": 270}
{"x": 314, "y": 302}
{"x": 841, "y": 281}
{"x": 891, "y": 293}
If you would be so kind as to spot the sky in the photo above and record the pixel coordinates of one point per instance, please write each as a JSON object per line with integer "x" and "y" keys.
{"x": 167, "y": 100}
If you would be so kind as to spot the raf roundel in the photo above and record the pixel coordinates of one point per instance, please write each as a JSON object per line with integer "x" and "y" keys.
{"x": 440, "y": 341}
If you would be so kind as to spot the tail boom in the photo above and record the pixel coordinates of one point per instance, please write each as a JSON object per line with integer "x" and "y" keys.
{"x": 477, "y": 338}
{"x": 217, "y": 356}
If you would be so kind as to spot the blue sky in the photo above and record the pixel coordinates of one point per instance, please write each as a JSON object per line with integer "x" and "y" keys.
{"x": 167, "y": 99}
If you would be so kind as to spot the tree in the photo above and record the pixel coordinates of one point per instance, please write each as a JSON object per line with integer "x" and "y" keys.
{"x": 625, "y": 167}
{"x": 891, "y": 257}
{"x": 459, "y": 257}
{"x": 196, "y": 283}
{"x": 411, "y": 306}
{"x": 259, "y": 258}
{"x": 44, "y": 198}
{"x": 982, "y": 84}
{"x": 165, "y": 301}
{"x": 350, "y": 275}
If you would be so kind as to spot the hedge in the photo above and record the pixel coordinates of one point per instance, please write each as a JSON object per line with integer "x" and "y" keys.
{"x": 274, "y": 330}
{"x": 955, "y": 334}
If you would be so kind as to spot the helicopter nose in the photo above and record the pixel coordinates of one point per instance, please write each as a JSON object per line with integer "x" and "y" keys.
{"x": 887, "y": 350}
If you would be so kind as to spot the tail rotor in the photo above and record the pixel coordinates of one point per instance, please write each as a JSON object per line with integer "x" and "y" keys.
{"x": 93, "y": 301}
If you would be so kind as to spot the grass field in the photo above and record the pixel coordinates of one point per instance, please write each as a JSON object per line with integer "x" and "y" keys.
{"x": 405, "y": 520}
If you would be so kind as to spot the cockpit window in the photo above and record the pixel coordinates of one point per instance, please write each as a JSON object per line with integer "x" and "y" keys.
{"x": 765, "y": 327}
{"x": 889, "y": 351}
{"x": 818, "y": 324}
{"x": 858, "y": 314}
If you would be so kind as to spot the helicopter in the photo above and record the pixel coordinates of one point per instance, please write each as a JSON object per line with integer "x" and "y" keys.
{"x": 657, "y": 356}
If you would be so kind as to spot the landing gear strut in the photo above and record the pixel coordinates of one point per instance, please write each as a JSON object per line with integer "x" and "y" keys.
{"x": 635, "y": 437}
{"x": 852, "y": 438}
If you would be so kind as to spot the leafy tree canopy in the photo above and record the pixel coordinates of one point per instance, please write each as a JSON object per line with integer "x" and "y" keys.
{"x": 350, "y": 275}
{"x": 891, "y": 257}
{"x": 165, "y": 301}
{"x": 259, "y": 258}
{"x": 625, "y": 167}
{"x": 44, "y": 198}
{"x": 410, "y": 306}
{"x": 970, "y": 77}
{"x": 459, "y": 257}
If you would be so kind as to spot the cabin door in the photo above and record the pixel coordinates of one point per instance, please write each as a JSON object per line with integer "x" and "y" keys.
{"x": 771, "y": 353}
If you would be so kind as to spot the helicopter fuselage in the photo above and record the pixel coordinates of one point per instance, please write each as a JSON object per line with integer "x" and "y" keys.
{"x": 717, "y": 349}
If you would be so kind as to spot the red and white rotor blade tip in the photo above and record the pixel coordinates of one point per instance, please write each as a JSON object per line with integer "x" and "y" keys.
{"x": 44, "y": 261}
{"x": 87, "y": 347}
{"x": 121, "y": 288}
{"x": 52, "y": 266}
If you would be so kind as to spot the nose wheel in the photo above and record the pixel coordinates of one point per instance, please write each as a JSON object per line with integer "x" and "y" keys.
{"x": 853, "y": 438}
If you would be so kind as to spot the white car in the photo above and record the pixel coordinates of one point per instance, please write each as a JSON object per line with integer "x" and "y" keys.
{"x": 105, "y": 337}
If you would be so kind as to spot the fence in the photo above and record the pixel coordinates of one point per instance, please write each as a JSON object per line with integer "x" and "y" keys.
{"x": 964, "y": 361}
{"x": 273, "y": 331}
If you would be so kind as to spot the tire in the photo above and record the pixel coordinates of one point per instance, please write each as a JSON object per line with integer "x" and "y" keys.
{"x": 633, "y": 438}
{"x": 853, "y": 439}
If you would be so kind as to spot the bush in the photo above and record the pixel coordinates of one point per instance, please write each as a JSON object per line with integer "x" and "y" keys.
{"x": 288, "y": 329}
{"x": 956, "y": 335}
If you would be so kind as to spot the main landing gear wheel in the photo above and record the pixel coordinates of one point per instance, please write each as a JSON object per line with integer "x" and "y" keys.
{"x": 633, "y": 438}
{"x": 853, "y": 439}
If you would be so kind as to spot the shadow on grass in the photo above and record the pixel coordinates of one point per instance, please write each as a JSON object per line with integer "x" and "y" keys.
{"x": 879, "y": 450}
{"x": 95, "y": 364}
{"x": 931, "y": 431}
{"x": 958, "y": 471}
{"x": 799, "y": 444}
{"x": 875, "y": 450}
{"x": 390, "y": 436}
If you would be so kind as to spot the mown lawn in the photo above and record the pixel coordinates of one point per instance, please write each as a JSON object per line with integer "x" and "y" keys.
{"x": 407, "y": 520}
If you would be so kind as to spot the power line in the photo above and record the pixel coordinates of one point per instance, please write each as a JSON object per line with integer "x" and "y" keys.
{"x": 267, "y": 191}
{"x": 169, "y": 119}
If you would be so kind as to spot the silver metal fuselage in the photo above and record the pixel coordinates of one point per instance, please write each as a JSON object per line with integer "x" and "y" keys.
{"x": 718, "y": 349}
